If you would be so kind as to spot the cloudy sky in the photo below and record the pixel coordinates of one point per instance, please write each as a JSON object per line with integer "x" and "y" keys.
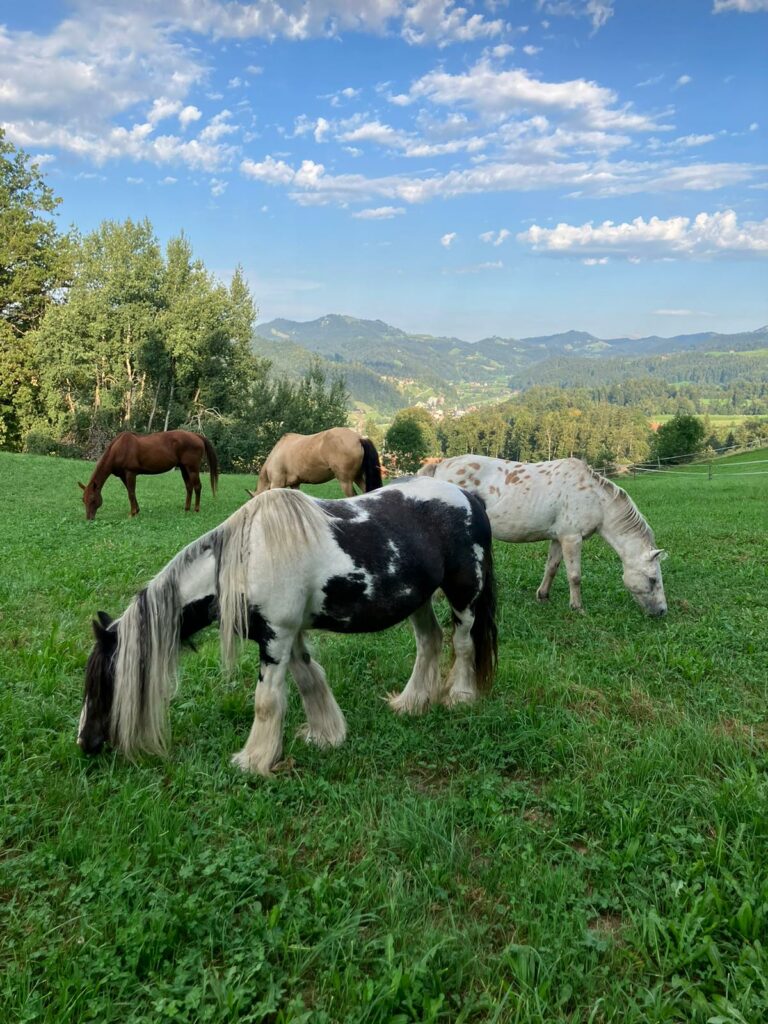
{"x": 508, "y": 167}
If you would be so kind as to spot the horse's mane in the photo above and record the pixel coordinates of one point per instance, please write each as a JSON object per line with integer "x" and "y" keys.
{"x": 629, "y": 518}
{"x": 265, "y": 536}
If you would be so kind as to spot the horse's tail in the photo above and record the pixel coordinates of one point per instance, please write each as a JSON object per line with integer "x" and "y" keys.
{"x": 145, "y": 668}
{"x": 483, "y": 631}
{"x": 268, "y": 536}
{"x": 371, "y": 465}
{"x": 213, "y": 463}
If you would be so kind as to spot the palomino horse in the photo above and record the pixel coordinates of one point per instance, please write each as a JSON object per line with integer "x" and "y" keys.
{"x": 563, "y": 502}
{"x": 316, "y": 458}
{"x": 285, "y": 563}
{"x": 130, "y": 454}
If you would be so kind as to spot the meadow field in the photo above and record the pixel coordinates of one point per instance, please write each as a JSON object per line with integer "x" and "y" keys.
{"x": 589, "y": 844}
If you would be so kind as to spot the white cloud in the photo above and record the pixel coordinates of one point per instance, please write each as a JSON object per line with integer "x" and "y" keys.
{"x": 707, "y": 235}
{"x": 742, "y": 6}
{"x": 495, "y": 93}
{"x": 531, "y": 50}
{"x": 322, "y": 127}
{"x": 135, "y": 181}
{"x": 495, "y": 237}
{"x": 188, "y": 115}
{"x": 653, "y": 80}
{"x": 218, "y": 187}
{"x": 443, "y": 22}
{"x": 598, "y": 11}
{"x": 255, "y": 69}
{"x": 680, "y": 312}
{"x": 478, "y": 268}
{"x": 595, "y": 261}
{"x": 379, "y": 213}
{"x": 683, "y": 80}
{"x": 217, "y": 127}
{"x": 163, "y": 108}
{"x": 168, "y": 180}
{"x": 269, "y": 170}
{"x": 448, "y": 239}
{"x": 597, "y": 178}
{"x": 754, "y": 126}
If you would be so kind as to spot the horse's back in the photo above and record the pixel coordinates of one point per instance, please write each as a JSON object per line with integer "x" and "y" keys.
{"x": 530, "y": 501}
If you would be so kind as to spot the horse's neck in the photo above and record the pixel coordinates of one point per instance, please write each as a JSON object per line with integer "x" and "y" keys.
{"x": 196, "y": 573}
{"x": 629, "y": 542}
{"x": 103, "y": 468}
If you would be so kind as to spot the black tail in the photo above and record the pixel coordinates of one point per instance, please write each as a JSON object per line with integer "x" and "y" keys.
{"x": 213, "y": 463}
{"x": 371, "y": 466}
{"x": 484, "y": 632}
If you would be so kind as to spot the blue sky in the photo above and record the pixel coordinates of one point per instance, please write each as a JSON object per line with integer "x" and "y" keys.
{"x": 509, "y": 168}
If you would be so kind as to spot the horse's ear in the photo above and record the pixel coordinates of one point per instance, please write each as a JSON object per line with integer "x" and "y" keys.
{"x": 101, "y": 630}
{"x": 251, "y": 494}
{"x": 660, "y": 553}
{"x": 81, "y": 486}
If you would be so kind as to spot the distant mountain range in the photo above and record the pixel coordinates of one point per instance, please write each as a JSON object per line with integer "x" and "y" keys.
{"x": 376, "y": 356}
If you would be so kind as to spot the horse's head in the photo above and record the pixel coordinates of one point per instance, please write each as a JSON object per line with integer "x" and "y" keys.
{"x": 94, "y": 728}
{"x": 642, "y": 578}
{"x": 91, "y": 498}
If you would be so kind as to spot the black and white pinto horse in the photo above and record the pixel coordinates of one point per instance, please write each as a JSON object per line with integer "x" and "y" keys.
{"x": 285, "y": 563}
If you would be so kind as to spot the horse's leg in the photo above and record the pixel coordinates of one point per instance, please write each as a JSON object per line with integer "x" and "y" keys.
{"x": 188, "y": 485}
{"x": 265, "y": 741}
{"x": 348, "y": 487}
{"x": 424, "y": 686}
{"x": 461, "y": 684}
{"x": 572, "y": 557}
{"x": 325, "y": 725}
{"x": 194, "y": 479}
{"x": 129, "y": 479}
{"x": 554, "y": 558}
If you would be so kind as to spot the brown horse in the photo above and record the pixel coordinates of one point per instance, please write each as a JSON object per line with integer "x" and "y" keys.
{"x": 316, "y": 458}
{"x": 130, "y": 454}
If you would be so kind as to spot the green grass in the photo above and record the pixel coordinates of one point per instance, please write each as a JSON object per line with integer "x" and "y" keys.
{"x": 586, "y": 845}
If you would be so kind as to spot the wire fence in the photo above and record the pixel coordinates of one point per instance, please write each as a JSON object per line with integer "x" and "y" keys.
{"x": 701, "y": 465}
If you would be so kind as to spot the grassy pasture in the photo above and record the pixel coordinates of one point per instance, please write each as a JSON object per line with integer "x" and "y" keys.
{"x": 586, "y": 845}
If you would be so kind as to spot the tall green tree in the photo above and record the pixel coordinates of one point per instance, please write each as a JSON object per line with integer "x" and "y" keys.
{"x": 680, "y": 438}
{"x": 411, "y": 438}
{"x": 34, "y": 267}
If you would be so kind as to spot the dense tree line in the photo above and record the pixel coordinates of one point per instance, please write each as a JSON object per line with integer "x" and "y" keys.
{"x": 107, "y": 332}
{"x": 551, "y": 423}
{"x": 699, "y": 382}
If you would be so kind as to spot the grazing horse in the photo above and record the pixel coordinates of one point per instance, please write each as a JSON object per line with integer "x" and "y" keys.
{"x": 316, "y": 458}
{"x": 130, "y": 454}
{"x": 564, "y": 502}
{"x": 285, "y": 563}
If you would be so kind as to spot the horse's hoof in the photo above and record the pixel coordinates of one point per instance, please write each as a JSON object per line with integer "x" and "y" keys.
{"x": 577, "y": 608}
{"x": 402, "y": 705}
{"x": 541, "y": 598}
{"x": 454, "y": 697}
{"x": 242, "y": 761}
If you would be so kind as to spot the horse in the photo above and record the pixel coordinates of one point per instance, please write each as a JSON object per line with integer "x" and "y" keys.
{"x": 317, "y": 458}
{"x": 285, "y": 563}
{"x": 130, "y": 454}
{"x": 563, "y": 501}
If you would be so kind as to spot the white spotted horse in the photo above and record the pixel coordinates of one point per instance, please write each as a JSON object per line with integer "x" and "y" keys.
{"x": 285, "y": 563}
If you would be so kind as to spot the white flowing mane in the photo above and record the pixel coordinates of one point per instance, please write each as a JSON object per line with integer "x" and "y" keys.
{"x": 629, "y": 518}
{"x": 266, "y": 535}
